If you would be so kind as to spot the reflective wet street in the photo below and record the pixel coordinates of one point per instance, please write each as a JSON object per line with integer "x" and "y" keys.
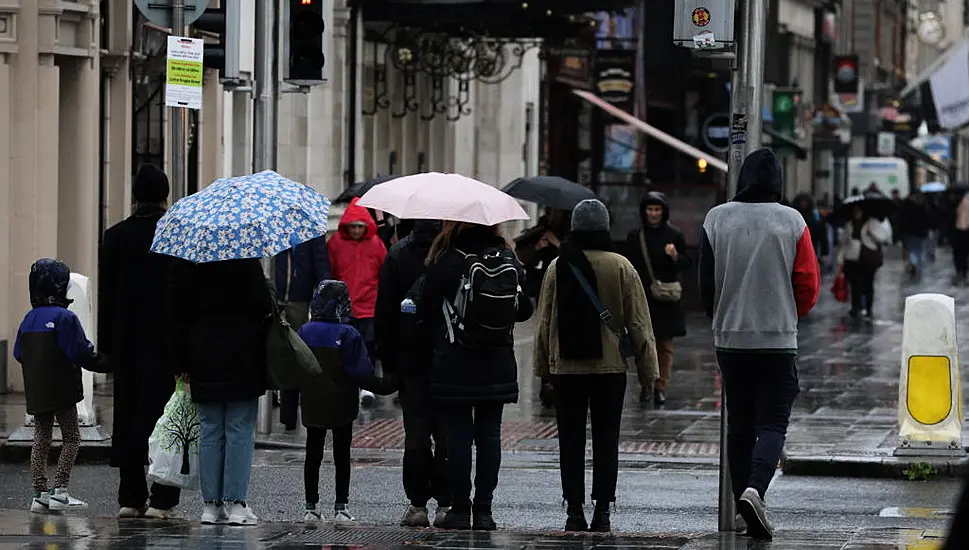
{"x": 845, "y": 414}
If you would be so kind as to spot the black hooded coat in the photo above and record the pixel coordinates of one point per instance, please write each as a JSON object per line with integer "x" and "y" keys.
{"x": 668, "y": 319}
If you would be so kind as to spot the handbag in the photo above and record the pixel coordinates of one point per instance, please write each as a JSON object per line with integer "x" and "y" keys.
{"x": 626, "y": 347}
{"x": 289, "y": 361}
{"x": 662, "y": 291}
{"x": 840, "y": 287}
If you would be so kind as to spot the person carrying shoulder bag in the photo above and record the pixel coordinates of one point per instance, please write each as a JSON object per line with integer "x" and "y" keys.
{"x": 594, "y": 324}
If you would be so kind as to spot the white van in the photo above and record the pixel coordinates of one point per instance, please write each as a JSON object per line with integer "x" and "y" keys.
{"x": 887, "y": 173}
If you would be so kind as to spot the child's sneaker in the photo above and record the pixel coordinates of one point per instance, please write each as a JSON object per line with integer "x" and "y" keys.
{"x": 40, "y": 503}
{"x": 241, "y": 514}
{"x": 61, "y": 500}
{"x": 367, "y": 398}
{"x": 213, "y": 513}
{"x": 342, "y": 516}
{"x": 312, "y": 516}
{"x": 415, "y": 516}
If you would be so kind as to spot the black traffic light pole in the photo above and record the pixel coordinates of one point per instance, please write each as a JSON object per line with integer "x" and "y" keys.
{"x": 351, "y": 171}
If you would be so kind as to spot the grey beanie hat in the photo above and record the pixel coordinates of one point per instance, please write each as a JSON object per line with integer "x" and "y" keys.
{"x": 590, "y": 215}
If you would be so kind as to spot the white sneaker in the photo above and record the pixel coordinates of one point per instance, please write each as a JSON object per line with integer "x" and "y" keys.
{"x": 40, "y": 504}
{"x": 755, "y": 514}
{"x": 343, "y": 517}
{"x": 158, "y": 513}
{"x": 440, "y": 515}
{"x": 61, "y": 500}
{"x": 367, "y": 398}
{"x": 214, "y": 514}
{"x": 241, "y": 514}
{"x": 128, "y": 512}
{"x": 415, "y": 516}
{"x": 312, "y": 517}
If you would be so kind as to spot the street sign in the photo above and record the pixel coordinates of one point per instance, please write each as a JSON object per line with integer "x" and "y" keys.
{"x": 183, "y": 78}
{"x": 716, "y": 132}
{"x": 159, "y": 12}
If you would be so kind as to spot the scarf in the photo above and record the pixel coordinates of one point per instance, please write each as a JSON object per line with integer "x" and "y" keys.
{"x": 578, "y": 320}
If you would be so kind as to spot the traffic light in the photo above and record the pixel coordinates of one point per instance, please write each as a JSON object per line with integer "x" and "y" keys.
{"x": 304, "y": 51}
{"x": 846, "y": 77}
{"x": 223, "y": 55}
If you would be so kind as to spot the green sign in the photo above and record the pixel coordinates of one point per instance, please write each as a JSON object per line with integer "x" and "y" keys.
{"x": 784, "y": 113}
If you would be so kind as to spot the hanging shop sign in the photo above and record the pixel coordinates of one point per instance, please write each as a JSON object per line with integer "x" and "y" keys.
{"x": 784, "y": 105}
{"x": 715, "y": 132}
{"x": 703, "y": 24}
{"x": 950, "y": 89}
{"x": 572, "y": 66}
{"x": 616, "y": 78}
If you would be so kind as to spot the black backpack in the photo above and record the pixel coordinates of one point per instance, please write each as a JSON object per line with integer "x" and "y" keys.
{"x": 484, "y": 310}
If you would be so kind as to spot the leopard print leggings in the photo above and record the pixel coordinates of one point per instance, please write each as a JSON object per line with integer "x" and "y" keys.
{"x": 43, "y": 434}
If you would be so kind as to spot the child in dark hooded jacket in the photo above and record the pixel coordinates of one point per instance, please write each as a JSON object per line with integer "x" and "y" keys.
{"x": 52, "y": 348}
{"x": 330, "y": 401}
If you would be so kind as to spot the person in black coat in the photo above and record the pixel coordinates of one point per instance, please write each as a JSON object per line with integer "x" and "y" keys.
{"x": 222, "y": 313}
{"x": 666, "y": 248}
{"x": 914, "y": 223}
{"x": 297, "y": 272}
{"x": 471, "y": 386}
{"x": 134, "y": 330}
{"x": 405, "y": 351}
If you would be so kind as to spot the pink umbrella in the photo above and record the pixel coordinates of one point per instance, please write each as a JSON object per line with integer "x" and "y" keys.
{"x": 437, "y": 196}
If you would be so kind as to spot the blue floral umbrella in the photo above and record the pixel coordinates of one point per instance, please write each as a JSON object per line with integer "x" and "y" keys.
{"x": 253, "y": 216}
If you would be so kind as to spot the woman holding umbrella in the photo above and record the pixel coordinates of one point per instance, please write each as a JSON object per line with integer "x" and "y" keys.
{"x": 223, "y": 307}
{"x": 470, "y": 300}
{"x": 860, "y": 253}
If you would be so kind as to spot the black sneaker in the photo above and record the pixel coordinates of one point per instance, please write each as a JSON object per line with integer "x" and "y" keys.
{"x": 600, "y": 519}
{"x": 456, "y": 520}
{"x": 645, "y": 396}
{"x": 575, "y": 518}
{"x": 659, "y": 397}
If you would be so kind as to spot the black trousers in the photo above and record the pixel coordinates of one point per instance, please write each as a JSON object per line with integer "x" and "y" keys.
{"x": 133, "y": 490}
{"x": 478, "y": 424}
{"x": 425, "y": 472}
{"x": 576, "y": 398}
{"x": 861, "y": 281}
{"x": 960, "y": 251}
{"x": 315, "y": 443}
{"x": 958, "y": 538}
{"x": 760, "y": 389}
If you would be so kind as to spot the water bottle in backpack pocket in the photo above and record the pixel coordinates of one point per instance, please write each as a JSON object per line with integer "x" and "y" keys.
{"x": 485, "y": 307}
{"x": 410, "y": 334}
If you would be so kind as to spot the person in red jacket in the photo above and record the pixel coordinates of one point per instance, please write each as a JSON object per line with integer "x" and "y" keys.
{"x": 356, "y": 255}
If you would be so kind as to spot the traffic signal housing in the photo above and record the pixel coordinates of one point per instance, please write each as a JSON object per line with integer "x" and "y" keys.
{"x": 223, "y": 55}
{"x": 304, "y": 57}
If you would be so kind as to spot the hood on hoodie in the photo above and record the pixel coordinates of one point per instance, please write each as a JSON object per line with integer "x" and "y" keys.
{"x": 761, "y": 178}
{"x": 331, "y": 302}
{"x": 357, "y": 214}
{"x": 48, "y": 282}
{"x": 654, "y": 198}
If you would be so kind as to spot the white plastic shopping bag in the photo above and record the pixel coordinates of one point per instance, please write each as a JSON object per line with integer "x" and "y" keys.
{"x": 173, "y": 448}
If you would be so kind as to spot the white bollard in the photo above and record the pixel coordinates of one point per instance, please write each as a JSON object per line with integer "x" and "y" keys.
{"x": 930, "y": 388}
{"x": 80, "y": 291}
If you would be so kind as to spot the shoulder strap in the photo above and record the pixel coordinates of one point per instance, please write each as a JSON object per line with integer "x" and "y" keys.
{"x": 645, "y": 251}
{"x": 604, "y": 314}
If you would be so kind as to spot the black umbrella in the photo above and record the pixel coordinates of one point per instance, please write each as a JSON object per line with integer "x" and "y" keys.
{"x": 550, "y": 191}
{"x": 361, "y": 187}
{"x": 873, "y": 203}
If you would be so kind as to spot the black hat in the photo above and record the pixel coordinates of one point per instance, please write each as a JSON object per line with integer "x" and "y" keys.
{"x": 151, "y": 185}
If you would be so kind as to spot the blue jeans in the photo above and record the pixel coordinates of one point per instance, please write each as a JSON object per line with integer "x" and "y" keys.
{"x": 915, "y": 246}
{"x": 761, "y": 388}
{"x": 479, "y": 424}
{"x": 226, "y": 449}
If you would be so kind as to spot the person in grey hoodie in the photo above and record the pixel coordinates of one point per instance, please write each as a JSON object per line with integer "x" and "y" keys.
{"x": 758, "y": 274}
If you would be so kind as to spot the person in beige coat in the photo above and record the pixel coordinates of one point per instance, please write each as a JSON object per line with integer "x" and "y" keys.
{"x": 586, "y": 360}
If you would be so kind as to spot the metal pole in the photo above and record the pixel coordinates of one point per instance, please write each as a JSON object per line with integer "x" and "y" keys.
{"x": 756, "y": 46}
{"x": 727, "y": 518}
{"x": 264, "y": 125}
{"x": 178, "y": 115}
{"x": 351, "y": 173}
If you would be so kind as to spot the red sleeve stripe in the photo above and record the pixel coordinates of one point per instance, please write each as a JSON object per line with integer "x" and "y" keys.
{"x": 806, "y": 277}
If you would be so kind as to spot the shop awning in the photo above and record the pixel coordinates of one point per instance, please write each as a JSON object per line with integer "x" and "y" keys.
{"x": 800, "y": 152}
{"x": 651, "y": 131}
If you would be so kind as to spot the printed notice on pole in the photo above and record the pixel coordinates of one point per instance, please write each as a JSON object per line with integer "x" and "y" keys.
{"x": 183, "y": 82}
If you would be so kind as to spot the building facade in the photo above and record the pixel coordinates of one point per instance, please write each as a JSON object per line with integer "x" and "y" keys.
{"x": 81, "y": 106}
